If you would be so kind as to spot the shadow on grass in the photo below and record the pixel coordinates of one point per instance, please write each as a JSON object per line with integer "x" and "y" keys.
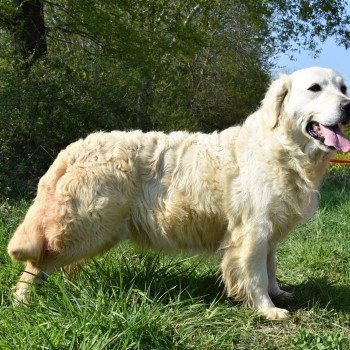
{"x": 165, "y": 279}
{"x": 158, "y": 277}
{"x": 318, "y": 293}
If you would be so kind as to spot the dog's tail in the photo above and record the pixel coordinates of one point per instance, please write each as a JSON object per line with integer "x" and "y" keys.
{"x": 28, "y": 242}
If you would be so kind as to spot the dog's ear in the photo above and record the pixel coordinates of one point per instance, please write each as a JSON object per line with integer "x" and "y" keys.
{"x": 273, "y": 101}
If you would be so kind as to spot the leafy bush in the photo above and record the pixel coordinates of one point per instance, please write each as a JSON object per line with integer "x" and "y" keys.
{"x": 145, "y": 65}
{"x": 43, "y": 112}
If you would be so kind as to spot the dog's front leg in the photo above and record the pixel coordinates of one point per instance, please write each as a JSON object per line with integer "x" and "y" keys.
{"x": 244, "y": 271}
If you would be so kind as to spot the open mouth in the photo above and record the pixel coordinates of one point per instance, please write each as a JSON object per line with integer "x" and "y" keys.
{"x": 331, "y": 136}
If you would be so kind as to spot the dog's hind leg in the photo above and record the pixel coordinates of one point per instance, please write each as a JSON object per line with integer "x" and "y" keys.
{"x": 30, "y": 276}
{"x": 51, "y": 261}
{"x": 36, "y": 273}
{"x": 78, "y": 213}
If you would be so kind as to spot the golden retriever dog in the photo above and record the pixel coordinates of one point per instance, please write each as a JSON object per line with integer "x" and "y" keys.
{"x": 237, "y": 192}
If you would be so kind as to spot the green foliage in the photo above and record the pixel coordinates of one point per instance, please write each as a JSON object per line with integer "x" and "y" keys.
{"x": 294, "y": 24}
{"x": 7, "y": 13}
{"x": 125, "y": 65}
{"x": 44, "y": 111}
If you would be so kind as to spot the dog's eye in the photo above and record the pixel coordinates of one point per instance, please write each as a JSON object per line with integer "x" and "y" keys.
{"x": 315, "y": 88}
{"x": 343, "y": 89}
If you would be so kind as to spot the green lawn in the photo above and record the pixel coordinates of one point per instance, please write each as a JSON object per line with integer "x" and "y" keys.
{"x": 134, "y": 299}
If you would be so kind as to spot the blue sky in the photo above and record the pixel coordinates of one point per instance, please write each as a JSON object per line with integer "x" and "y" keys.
{"x": 332, "y": 56}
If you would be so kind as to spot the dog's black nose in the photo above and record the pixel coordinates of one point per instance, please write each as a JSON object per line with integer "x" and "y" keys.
{"x": 345, "y": 106}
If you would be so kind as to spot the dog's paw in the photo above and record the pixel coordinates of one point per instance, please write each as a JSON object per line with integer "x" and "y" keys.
{"x": 275, "y": 313}
{"x": 20, "y": 296}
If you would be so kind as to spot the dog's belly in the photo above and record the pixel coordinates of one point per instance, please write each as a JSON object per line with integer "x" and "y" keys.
{"x": 178, "y": 228}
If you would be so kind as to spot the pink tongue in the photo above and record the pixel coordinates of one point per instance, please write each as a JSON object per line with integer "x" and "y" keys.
{"x": 333, "y": 136}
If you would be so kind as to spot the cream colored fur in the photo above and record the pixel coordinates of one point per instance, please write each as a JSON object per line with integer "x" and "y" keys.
{"x": 238, "y": 192}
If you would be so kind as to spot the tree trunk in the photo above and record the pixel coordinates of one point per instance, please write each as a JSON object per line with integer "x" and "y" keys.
{"x": 29, "y": 32}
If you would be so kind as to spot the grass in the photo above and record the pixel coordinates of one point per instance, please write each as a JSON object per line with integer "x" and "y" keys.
{"x": 134, "y": 299}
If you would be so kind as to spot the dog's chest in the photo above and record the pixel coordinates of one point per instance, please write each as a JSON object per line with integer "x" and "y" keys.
{"x": 292, "y": 210}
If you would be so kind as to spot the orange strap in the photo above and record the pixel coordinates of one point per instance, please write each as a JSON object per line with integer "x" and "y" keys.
{"x": 340, "y": 161}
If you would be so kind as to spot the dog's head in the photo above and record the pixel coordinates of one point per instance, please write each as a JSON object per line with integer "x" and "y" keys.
{"x": 313, "y": 102}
